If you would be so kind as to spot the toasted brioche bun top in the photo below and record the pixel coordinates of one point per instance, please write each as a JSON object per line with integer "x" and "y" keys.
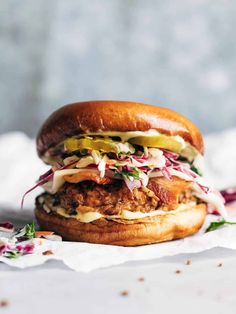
{"x": 122, "y": 116}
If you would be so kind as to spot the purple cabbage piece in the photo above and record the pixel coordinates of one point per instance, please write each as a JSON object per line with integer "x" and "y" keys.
{"x": 3, "y": 248}
{"x": 132, "y": 184}
{"x": 39, "y": 183}
{"x": 229, "y": 195}
{"x": 45, "y": 175}
{"x": 170, "y": 155}
{"x": 14, "y": 251}
{"x": 139, "y": 158}
{"x": 166, "y": 173}
{"x": 6, "y": 227}
{"x": 127, "y": 168}
{"x": 27, "y": 248}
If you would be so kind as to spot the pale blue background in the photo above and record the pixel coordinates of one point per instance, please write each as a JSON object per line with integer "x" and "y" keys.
{"x": 180, "y": 54}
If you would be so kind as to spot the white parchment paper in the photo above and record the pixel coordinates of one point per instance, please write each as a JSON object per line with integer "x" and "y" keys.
{"x": 20, "y": 167}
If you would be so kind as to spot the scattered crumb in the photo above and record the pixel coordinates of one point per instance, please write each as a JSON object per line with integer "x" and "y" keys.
{"x": 220, "y": 265}
{"x": 124, "y": 293}
{"x": 178, "y": 271}
{"x": 4, "y": 303}
{"x": 48, "y": 252}
{"x": 141, "y": 279}
{"x": 188, "y": 262}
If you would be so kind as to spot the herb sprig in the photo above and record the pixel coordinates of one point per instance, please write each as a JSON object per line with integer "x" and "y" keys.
{"x": 12, "y": 254}
{"x": 135, "y": 174}
{"x": 217, "y": 224}
{"x": 196, "y": 170}
{"x": 30, "y": 230}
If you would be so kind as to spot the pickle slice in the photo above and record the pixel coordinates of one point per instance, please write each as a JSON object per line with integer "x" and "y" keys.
{"x": 104, "y": 145}
{"x": 159, "y": 141}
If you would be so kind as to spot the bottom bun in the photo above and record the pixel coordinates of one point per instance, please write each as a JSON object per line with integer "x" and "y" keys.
{"x": 153, "y": 229}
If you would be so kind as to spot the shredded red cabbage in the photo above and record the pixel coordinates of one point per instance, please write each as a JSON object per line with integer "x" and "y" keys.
{"x": 229, "y": 195}
{"x": 192, "y": 175}
{"x": 127, "y": 168}
{"x": 6, "y": 227}
{"x": 46, "y": 177}
{"x": 205, "y": 189}
{"x": 4, "y": 248}
{"x": 39, "y": 183}
{"x": 170, "y": 155}
{"x": 112, "y": 171}
{"x": 166, "y": 173}
{"x": 13, "y": 250}
{"x": 132, "y": 184}
{"x": 68, "y": 166}
{"x": 168, "y": 163}
{"x": 189, "y": 172}
{"x": 144, "y": 169}
{"x": 140, "y": 159}
{"x": 27, "y": 248}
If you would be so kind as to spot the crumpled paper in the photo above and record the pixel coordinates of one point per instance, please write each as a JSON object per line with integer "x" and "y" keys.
{"x": 20, "y": 167}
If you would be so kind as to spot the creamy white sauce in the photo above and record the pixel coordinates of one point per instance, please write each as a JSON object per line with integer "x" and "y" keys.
{"x": 124, "y": 214}
{"x": 126, "y": 136}
{"x": 82, "y": 217}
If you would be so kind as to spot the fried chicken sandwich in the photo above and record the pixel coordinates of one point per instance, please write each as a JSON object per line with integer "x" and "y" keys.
{"x": 122, "y": 173}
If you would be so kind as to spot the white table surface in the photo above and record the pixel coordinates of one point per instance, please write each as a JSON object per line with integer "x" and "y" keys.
{"x": 202, "y": 287}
